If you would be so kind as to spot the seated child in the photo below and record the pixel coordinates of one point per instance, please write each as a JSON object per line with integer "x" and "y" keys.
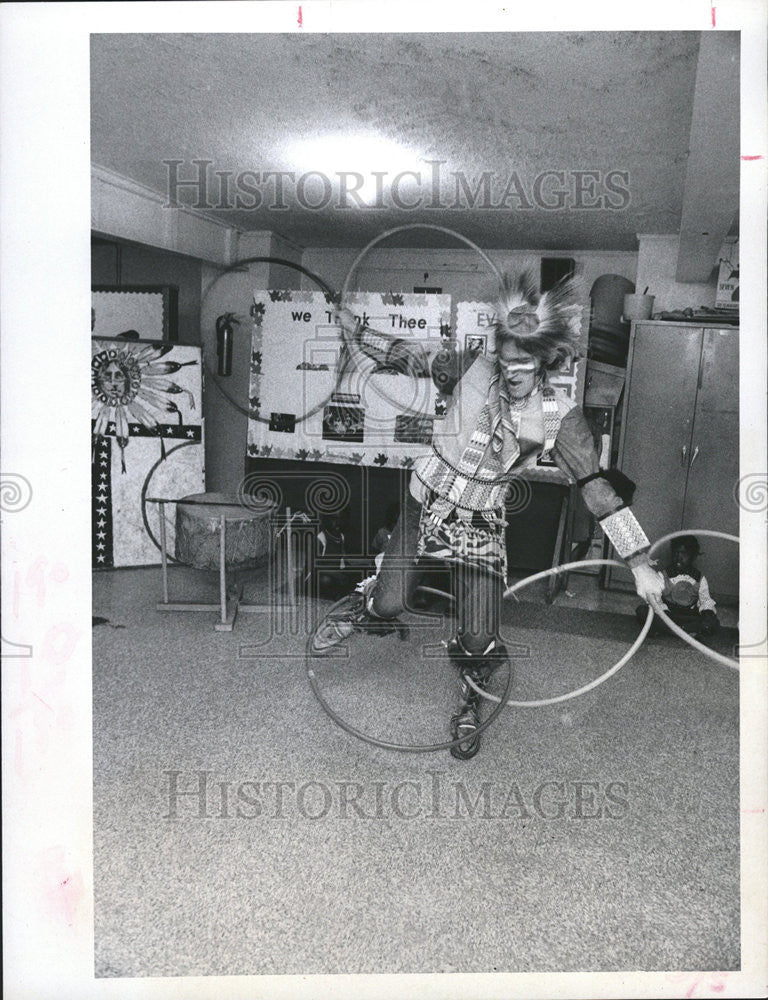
{"x": 686, "y": 592}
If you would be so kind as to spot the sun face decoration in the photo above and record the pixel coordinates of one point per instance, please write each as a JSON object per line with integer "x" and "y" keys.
{"x": 127, "y": 385}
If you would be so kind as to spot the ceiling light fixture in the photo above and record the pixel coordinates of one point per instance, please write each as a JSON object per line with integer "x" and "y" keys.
{"x": 360, "y": 167}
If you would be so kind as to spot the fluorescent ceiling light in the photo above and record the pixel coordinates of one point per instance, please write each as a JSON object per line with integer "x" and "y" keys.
{"x": 364, "y": 165}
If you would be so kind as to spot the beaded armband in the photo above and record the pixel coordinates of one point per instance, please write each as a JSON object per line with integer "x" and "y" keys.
{"x": 624, "y": 532}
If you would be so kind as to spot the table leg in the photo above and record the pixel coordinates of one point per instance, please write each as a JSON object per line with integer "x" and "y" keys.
{"x": 554, "y": 583}
{"x": 289, "y": 558}
{"x": 163, "y": 551}
{"x": 223, "y": 568}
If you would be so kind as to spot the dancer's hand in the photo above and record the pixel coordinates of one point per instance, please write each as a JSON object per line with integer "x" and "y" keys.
{"x": 649, "y": 583}
{"x": 346, "y": 320}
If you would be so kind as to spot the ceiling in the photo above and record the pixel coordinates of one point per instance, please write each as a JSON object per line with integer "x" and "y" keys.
{"x": 507, "y": 106}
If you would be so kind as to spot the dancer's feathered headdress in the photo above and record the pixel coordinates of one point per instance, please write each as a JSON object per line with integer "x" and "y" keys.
{"x": 546, "y": 326}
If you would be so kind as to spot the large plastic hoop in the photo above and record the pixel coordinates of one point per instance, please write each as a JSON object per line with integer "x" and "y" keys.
{"x": 353, "y": 352}
{"x": 542, "y": 702}
{"x": 726, "y": 661}
{"x": 402, "y": 747}
{"x": 401, "y": 229}
{"x": 145, "y": 487}
{"x": 235, "y": 267}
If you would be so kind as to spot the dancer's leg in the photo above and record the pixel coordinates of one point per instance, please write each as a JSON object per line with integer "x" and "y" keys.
{"x": 375, "y": 608}
{"x": 398, "y": 576}
{"x": 476, "y": 652}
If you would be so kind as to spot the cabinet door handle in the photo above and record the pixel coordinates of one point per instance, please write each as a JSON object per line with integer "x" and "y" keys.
{"x": 683, "y": 454}
{"x": 693, "y": 456}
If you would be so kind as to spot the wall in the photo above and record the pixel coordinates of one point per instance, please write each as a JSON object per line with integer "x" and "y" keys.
{"x": 461, "y": 273}
{"x": 127, "y": 210}
{"x": 281, "y": 276}
{"x": 656, "y": 269}
{"x": 226, "y": 398}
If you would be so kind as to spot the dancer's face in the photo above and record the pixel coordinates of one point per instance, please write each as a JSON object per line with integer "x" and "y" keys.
{"x": 520, "y": 370}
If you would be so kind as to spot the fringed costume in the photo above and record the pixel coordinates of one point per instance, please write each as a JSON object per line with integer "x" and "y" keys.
{"x": 456, "y": 511}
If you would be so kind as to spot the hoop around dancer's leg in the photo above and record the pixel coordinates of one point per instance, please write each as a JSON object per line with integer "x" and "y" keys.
{"x": 401, "y": 747}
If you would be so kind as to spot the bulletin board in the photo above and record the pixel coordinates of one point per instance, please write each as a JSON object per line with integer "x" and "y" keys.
{"x": 150, "y": 311}
{"x": 302, "y": 409}
{"x": 147, "y": 427}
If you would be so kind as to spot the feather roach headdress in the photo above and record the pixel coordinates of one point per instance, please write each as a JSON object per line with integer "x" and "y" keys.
{"x": 546, "y": 326}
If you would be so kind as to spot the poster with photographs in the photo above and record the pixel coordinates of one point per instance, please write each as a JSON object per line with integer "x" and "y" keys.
{"x": 311, "y": 401}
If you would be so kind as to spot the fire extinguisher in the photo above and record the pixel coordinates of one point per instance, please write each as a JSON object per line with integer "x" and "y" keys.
{"x": 225, "y": 332}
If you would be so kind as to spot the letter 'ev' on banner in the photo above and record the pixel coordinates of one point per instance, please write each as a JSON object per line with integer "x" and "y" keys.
{"x": 311, "y": 401}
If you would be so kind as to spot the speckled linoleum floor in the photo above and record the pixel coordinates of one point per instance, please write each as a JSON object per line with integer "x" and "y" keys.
{"x": 239, "y": 831}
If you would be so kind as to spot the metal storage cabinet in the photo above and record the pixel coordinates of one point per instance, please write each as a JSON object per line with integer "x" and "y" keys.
{"x": 680, "y": 439}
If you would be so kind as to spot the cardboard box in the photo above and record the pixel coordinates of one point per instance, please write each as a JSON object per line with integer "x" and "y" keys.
{"x": 727, "y": 294}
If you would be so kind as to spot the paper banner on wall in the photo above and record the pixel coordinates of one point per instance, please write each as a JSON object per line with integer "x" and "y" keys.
{"x": 375, "y": 413}
{"x": 147, "y": 430}
{"x": 474, "y": 332}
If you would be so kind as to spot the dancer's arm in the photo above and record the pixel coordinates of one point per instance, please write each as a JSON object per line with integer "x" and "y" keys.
{"x": 607, "y": 494}
{"x": 387, "y": 351}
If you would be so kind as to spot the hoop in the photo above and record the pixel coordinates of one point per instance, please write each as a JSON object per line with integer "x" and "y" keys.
{"x": 726, "y": 661}
{"x": 541, "y": 702}
{"x": 145, "y": 500}
{"x": 234, "y": 267}
{"x": 693, "y": 531}
{"x": 402, "y": 229}
{"x": 401, "y": 747}
{"x": 353, "y": 352}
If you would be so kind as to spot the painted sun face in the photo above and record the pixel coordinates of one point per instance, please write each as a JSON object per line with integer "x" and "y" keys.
{"x": 112, "y": 379}
{"x": 520, "y": 370}
{"x": 115, "y": 378}
{"x": 130, "y": 386}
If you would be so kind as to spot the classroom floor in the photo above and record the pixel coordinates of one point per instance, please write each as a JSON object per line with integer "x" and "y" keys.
{"x": 238, "y": 830}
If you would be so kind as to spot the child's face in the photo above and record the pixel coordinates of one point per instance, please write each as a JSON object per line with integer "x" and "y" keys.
{"x": 681, "y": 558}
